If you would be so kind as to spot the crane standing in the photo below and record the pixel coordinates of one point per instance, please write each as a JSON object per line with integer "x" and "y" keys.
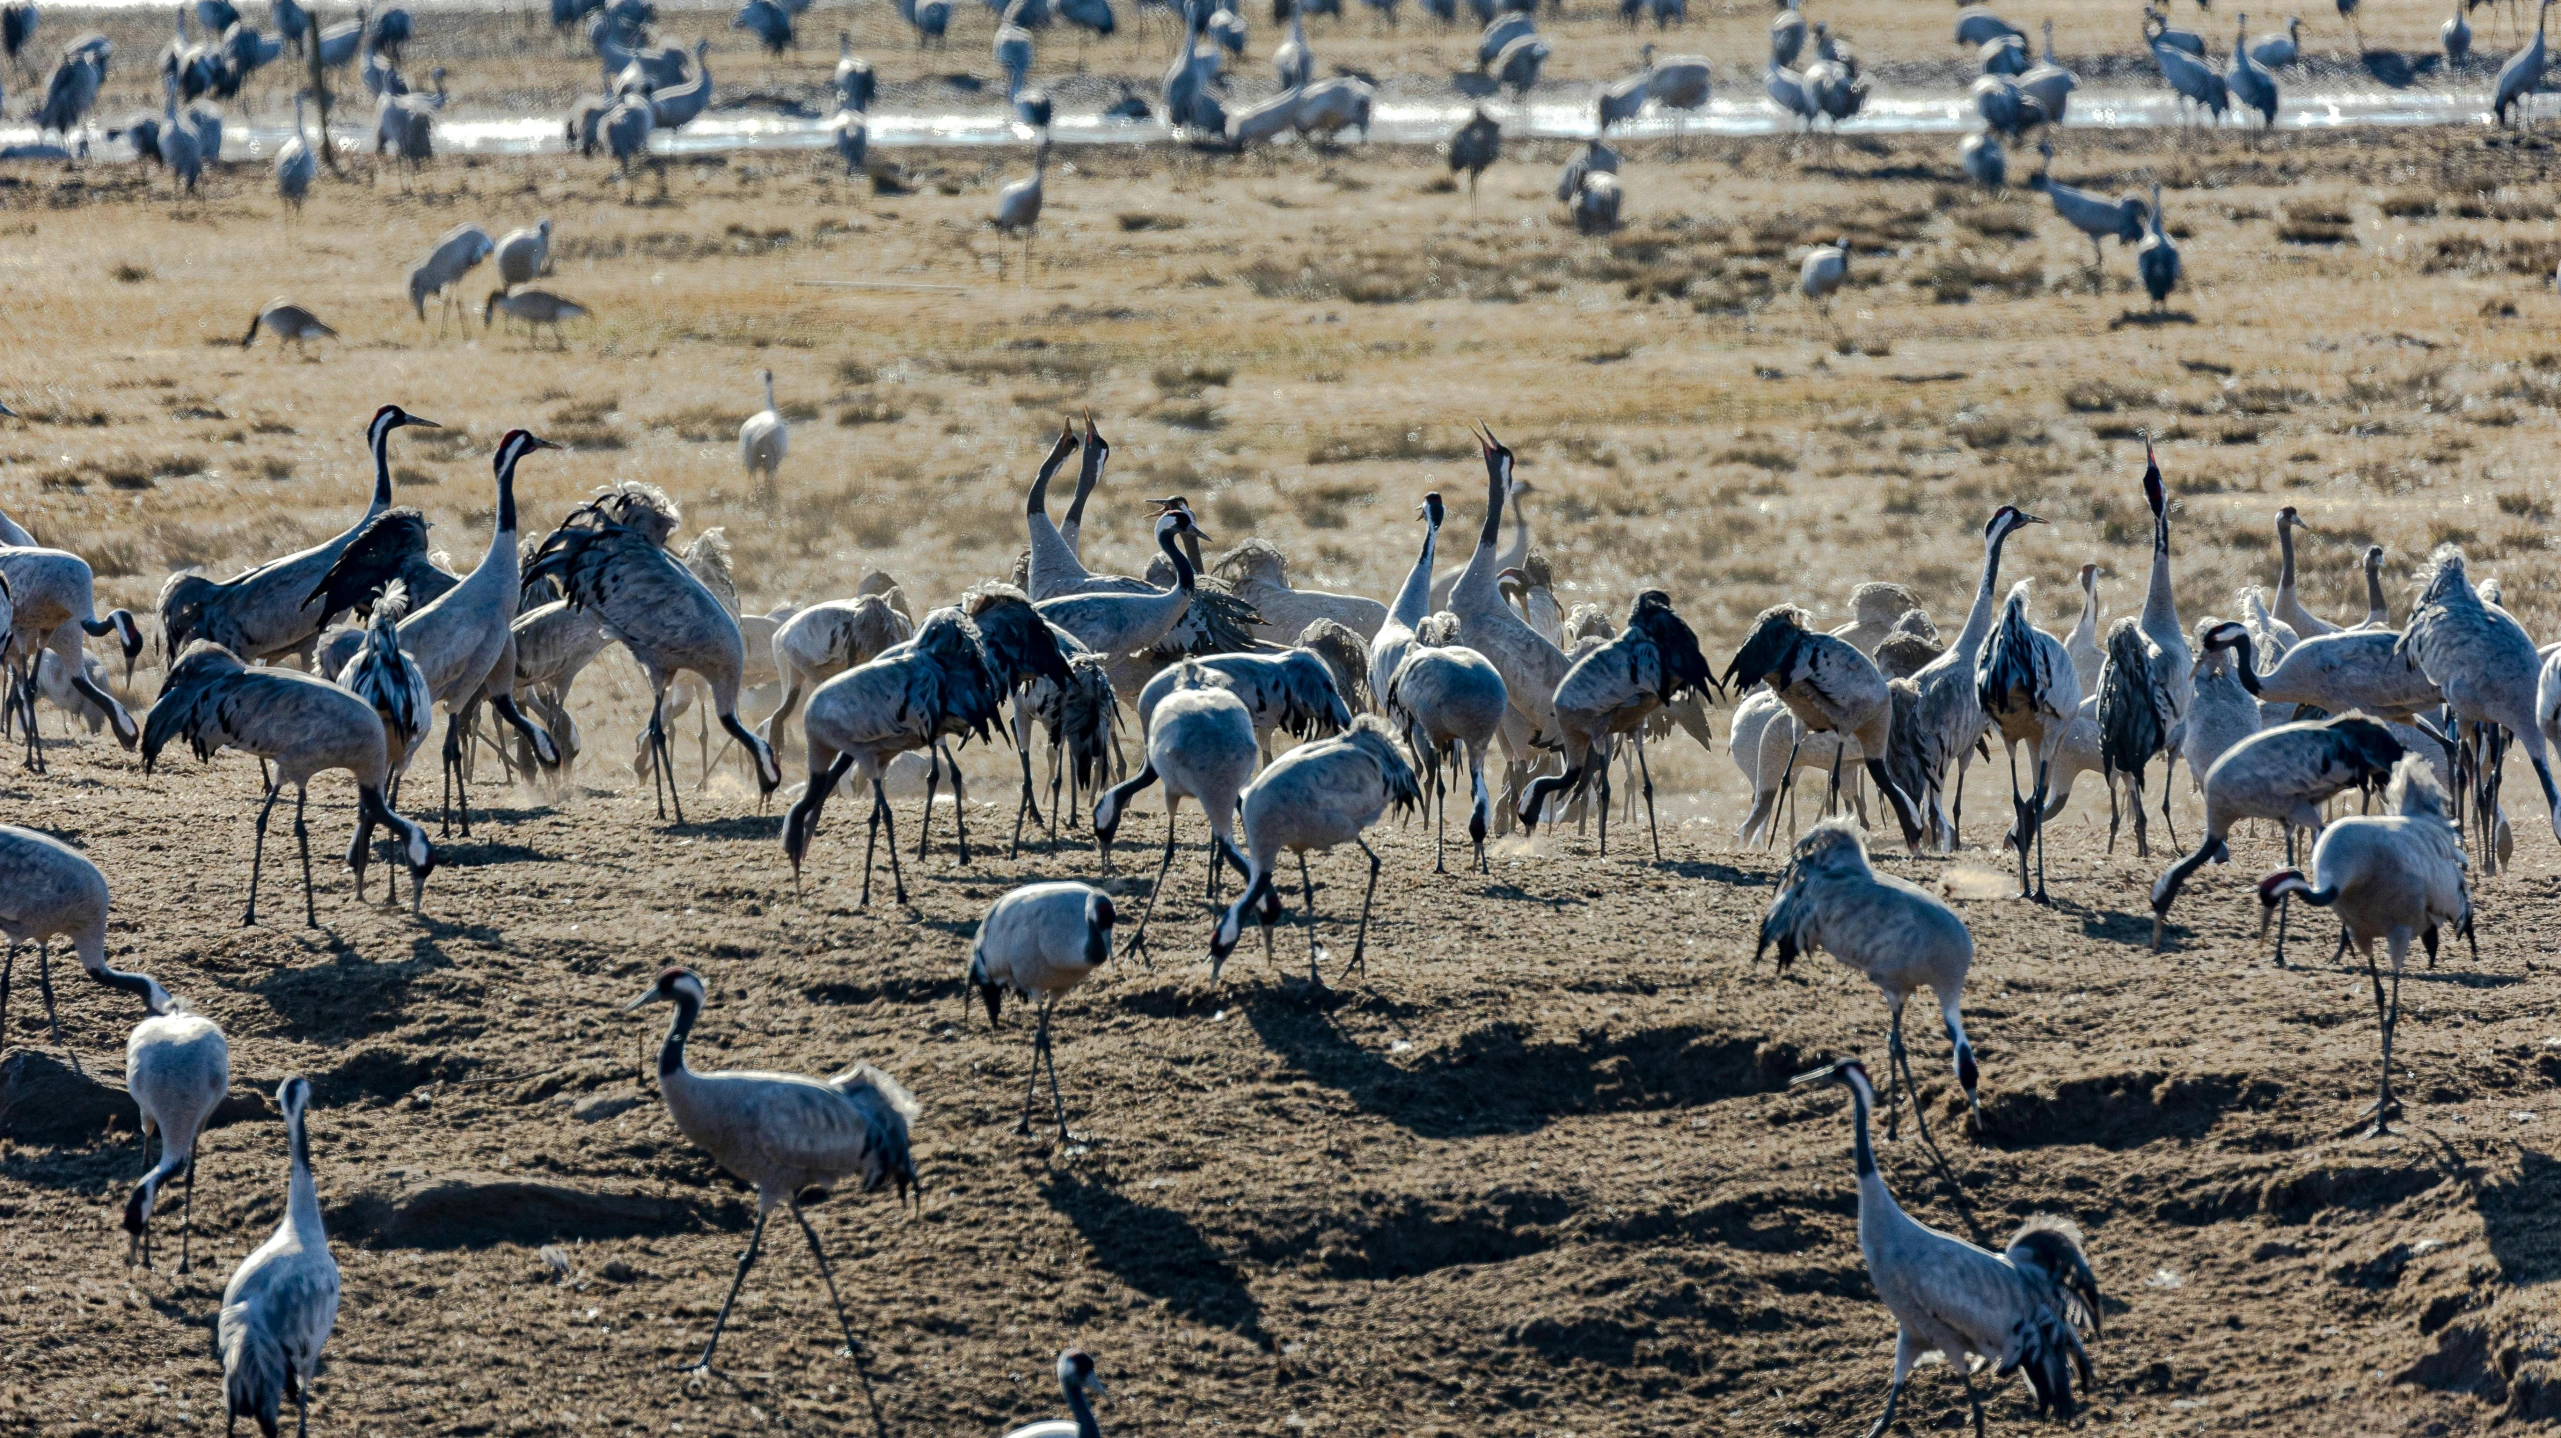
{"x": 783, "y": 1133}
{"x": 282, "y": 1300}
{"x": 178, "y": 1068}
{"x": 1040, "y": 940}
{"x": 1315, "y": 797}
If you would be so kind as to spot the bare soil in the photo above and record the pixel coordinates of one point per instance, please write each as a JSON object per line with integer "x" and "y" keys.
{"x": 1537, "y": 1169}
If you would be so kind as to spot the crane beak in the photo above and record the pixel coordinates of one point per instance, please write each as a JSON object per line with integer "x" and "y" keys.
{"x": 2027, "y": 518}
{"x": 1101, "y": 1389}
{"x": 644, "y": 1000}
{"x": 421, "y": 423}
{"x": 1829, "y": 1070}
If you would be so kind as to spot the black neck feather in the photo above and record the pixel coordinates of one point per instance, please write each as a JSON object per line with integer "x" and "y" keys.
{"x": 671, "y": 1055}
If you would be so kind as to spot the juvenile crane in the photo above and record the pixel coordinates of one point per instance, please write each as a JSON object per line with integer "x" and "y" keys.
{"x": 304, "y": 726}
{"x": 2021, "y": 1308}
{"x": 1901, "y": 936}
{"x": 383, "y": 675}
{"x": 2394, "y": 876}
{"x": 1315, "y": 797}
{"x": 820, "y": 641}
{"x": 783, "y": 1133}
{"x": 282, "y": 1301}
{"x": 2283, "y": 775}
{"x": 1039, "y": 941}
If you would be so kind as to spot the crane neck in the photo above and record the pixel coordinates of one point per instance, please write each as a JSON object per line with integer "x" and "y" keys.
{"x": 1862, "y": 1150}
{"x": 380, "y": 444}
{"x": 1088, "y": 475}
{"x": 1037, "y": 502}
{"x": 506, "y": 535}
{"x": 671, "y": 1054}
{"x": 1086, "y": 1427}
{"x": 1184, "y": 576}
{"x": 1415, "y": 599}
{"x": 2160, "y": 605}
{"x": 1978, "y": 620}
{"x": 2376, "y": 610}
{"x": 2284, "y": 561}
{"x": 138, "y": 985}
{"x": 302, "y": 1197}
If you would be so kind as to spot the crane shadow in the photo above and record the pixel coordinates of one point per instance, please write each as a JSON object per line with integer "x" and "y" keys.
{"x": 352, "y": 995}
{"x": 2151, "y": 319}
{"x": 1715, "y": 873}
{"x": 1500, "y": 1079}
{"x": 1160, "y": 1253}
{"x": 2522, "y": 1220}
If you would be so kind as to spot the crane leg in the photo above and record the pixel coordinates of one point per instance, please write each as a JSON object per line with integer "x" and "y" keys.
{"x": 44, "y": 985}
{"x": 457, "y": 795}
{"x": 302, "y": 842}
{"x": 1022, "y": 748}
{"x": 1440, "y": 810}
{"x": 1786, "y": 787}
{"x": 2388, "y": 1016}
{"x": 258, "y": 852}
{"x": 870, "y": 843}
{"x": 2169, "y": 771}
{"x": 2036, "y": 813}
{"x": 187, "y": 1214}
{"x": 1973, "y": 1399}
{"x": 746, "y": 1261}
{"x": 1646, "y": 774}
{"x": 1906, "y": 1353}
{"x": 889, "y": 822}
{"x": 1603, "y": 773}
{"x": 1138, "y": 941}
{"x": 8, "y": 966}
{"x": 1360, "y": 942}
{"x": 1049, "y": 1056}
{"x": 2285, "y": 904}
{"x": 1832, "y": 791}
{"x": 959, "y": 800}
{"x": 1480, "y": 804}
{"x": 2018, "y": 819}
{"x": 1894, "y": 1075}
{"x": 1031, "y": 1083}
{"x": 1308, "y": 885}
{"x": 820, "y": 1253}
{"x": 933, "y": 782}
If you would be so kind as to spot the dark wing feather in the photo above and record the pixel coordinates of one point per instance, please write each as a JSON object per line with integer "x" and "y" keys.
{"x": 1773, "y": 640}
{"x": 2131, "y": 729}
{"x": 392, "y": 545}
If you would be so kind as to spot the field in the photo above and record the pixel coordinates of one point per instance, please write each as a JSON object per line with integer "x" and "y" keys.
{"x": 1537, "y": 1169}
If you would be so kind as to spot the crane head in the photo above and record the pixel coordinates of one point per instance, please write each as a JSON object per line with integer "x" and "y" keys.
{"x": 1431, "y": 509}
{"x": 675, "y": 985}
{"x": 2287, "y": 518}
{"x": 2154, "y": 494}
{"x": 1839, "y": 1069}
{"x": 1076, "y": 1370}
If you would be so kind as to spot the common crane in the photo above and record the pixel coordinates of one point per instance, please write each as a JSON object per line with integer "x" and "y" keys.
{"x": 2030, "y": 695}
{"x": 52, "y": 602}
{"x": 282, "y": 1301}
{"x": 783, "y": 1133}
{"x": 177, "y": 1067}
{"x": 1947, "y": 707}
{"x": 1446, "y": 697}
{"x": 49, "y": 891}
{"x": 1315, "y": 796}
{"x": 296, "y": 167}
{"x": 1202, "y": 744}
{"x": 2522, "y": 75}
{"x": 763, "y": 439}
{"x": 1900, "y": 936}
{"x": 1018, "y": 204}
{"x": 2276, "y": 52}
{"x": 2021, "y": 1308}
{"x": 1474, "y": 147}
{"x": 1258, "y": 573}
{"x": 290, "y": 323}
{"x": 456, "y": 252}
{"x": 2483, "y": 662}
{"x": 2282, "y": 775}
{"x": 853, "y": 80}
{"x": 1040, "y": 941}
{"x": 1612, "y": 690}
{"x": 2156, "y": 260}
{"x": 524, "y": 255}
{"x": 1830, "y": 688}
{"x": 533, "y": 308}
{"x": 1075, "y": 1375}
{"x": 2048, "y": 83}
{"x": 1530, "y": 663}
{"x": 2394, "y": 876}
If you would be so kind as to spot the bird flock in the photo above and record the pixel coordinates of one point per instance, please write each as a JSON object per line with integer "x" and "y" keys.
{"x": 1299, "y": 720}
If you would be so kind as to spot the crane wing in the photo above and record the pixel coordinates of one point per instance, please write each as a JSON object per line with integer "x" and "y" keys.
{"x": 391, "y": 545}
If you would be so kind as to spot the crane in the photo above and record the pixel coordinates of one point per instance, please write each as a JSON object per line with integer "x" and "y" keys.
{"x": 1316, "y": 796}
{"x": 282, "y": 1301}
{"x": 1040, "y": 940}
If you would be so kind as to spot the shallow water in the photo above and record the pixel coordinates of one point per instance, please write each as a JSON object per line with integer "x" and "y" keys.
{"x": 1404, "y": 121}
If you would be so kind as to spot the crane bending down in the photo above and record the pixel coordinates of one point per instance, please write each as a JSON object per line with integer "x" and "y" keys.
{"x": 1039, "y": 940}
{"x": 1202, "y": 744}
{"x": 783, "y": 1133}
{"x": 2284, "y": 775}
{"x": 2019, "y": 1309}
{"x": 1613, "y": 690}
{"x": 177, "y": 1066}
{"x": 1316, "y": 796}
{"x": 1902, "y": 937}
{"x": 2394, "y": 876}
{"x": 305, "y": 726}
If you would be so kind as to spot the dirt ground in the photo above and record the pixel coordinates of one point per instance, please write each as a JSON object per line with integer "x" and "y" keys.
{"x": 1538, "y": 1168}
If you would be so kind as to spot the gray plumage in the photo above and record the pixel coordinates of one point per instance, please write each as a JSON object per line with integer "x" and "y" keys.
{"x": 2029, "y": 696}
{"x": 282, "y": 1301}
{"x": 296, "y": 166}
{"x": 821, "y": 641}
{"x": 1531, "y": 664}
{"x": 1013, "y": 50}
{"x": 267, "y": 611}
{"x": 625, "y": 130}
{"x": 1037, "y": 942}
{"x": 1947, "y": 709}
{"x": 2455, "y": 35}
{"x": 1875, "y": 606}
{"x": 1595, "y": 206}
{"x": 2276, "y": 51}
{"x": 665, "y": 617}
{"x": 673, "y": 107}
{"x": 301, "y": 724}
{"x": 768, "y": 22}
{"x": 1395, "y": 634}
{"x": 1290, "y": 690}
{"x": 1975, "y": 27}
{"x": 2394, "y": 876}
{"x": 525, "y": 255}
{"x": 2352, "y": 669}
{"x": 2156, "y": 260}
{"x": 554, "y": 643}
{"x": 2048, "y": 83}
{"x": 456, "y": 252}
{"x": 2195, "y": 81}
{"x": 946, "y": 682}
{"x": 1474, "y": 147}
{"x": 1114, "y": 624}
{"x": 2004, "y": 55}
{"x": 2480, "y": 659}
{"x": 850, "y": 132}
{"x": 1983, "y": 160}
{"x": 49, "y": 604}
{"x": 2522, "y": 74}
{"x": 290, "y": 323}
{"x": 1203, "y": 745}
{"x": 2001, "y": 103}
{"x": 2282, "y": 775}
{"x": 2135, "y": 723}
{"x": 2248, "y": 80}
{"x": 1613, "y": 690}
{"x": 763, "y": 439}
{"x": 1901, "y": 936}
{"x": 1594, "y": 158}
{"x": 1518, "y": 65}
{"x": 853, "y": 80}
{"x": 49, "y": 891}
{"x": 1447, "y": 697}
{"x": 1315, "y": 797}
{"x": 533, "y": 308}
{"x": 1787, "y": 33}
{"x": 2160, "y": 619}
{"x": 1498, "y": 35}
{"x": 2221, "y": 710}
{"x": 177, "y": 1068}
{"x": 783, "y": 1133}
{"x": 1346, "y": 657}
{"x": 2019, "y": 1310}
{"x": 1258, "y": 572}
{"x": 2092, "y": 216}
{"x": 383, "y": 675}
{"x": 1910, "y": 648}
{"x": 2083, "y": 642}
{"x": 1831, "y": 688}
